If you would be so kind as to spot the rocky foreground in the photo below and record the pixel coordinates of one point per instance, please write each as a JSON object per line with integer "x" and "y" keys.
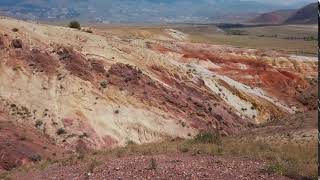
{"x": 159, "y": 167}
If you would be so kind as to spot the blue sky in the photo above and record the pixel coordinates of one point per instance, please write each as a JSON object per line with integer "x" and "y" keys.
{"x": 287, "y": 1}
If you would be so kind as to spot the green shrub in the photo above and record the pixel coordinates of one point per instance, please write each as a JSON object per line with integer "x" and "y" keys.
{"x": 93, "y": 164}
{"x": 35, "y": 158}
{"x": 130, "y": 142}
{"x": 153, "y": 164}
{"x": 22, "y": 137}
{"x": 84, "y": 135}
{"x": 275, "y": 168}
{"x": 207, "y": 137}
{"x": 38, "y": 123}
{"x": 74, "y": 24}
{"x": 104, "y": 84}
{"x": 61, "y": 131}
{"x": 183, "y": 148}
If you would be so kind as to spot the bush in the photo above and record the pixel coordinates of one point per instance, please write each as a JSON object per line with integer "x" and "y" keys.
{"x": 15, "y": 29}
{"x": 16, "y": 43}
{"x": 38, "y": 123}
{"x": 130, "y": 142}
{"x": 61, "y": 131}
{"x": 183, "y": 148}
{"x": 35, "y": 158}
{"x": 153, "y": 164}
{"x": 207, "y": 137}
{"x": 94, "y": 163}
{"x": 84, "y": 135}
{"x": 104, "y": 84}
{"x": 183, "y": 124}
{"x": 74, "y": 24}
{"x": 22, "y": 138}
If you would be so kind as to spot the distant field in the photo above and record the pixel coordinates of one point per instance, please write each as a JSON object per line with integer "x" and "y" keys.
{"x": 292, "y": 39}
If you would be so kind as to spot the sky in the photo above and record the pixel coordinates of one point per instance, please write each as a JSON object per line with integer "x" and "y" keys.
{"x": 287, "y": 1}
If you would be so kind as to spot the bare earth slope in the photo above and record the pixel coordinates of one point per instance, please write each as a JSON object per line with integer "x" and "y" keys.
{"x": 64, "y": 90}
{"x": 142, "y": 90}
{"x": 92, "y": 91}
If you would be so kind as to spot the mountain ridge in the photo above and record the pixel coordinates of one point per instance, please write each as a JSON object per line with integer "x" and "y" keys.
{"x": 275, "y": 17}
{"x": 129, "y": 11}
{"x": 304, "y": 15}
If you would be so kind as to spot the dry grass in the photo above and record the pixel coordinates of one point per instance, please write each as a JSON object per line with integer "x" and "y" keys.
{"x": 253, "y": 38}
{"x": 213, "y": 35}
{"x": 292, "y": 160}
{"x": 289, "y": 159}
{"x": 299, "y": 47}
{"x": 210, "y": 34}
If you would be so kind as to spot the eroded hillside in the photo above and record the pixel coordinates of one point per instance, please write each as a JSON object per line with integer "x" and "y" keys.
{"x": 87, "y": 90}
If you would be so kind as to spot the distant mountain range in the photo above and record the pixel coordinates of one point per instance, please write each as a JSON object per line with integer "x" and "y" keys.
{"x": 275, "y": 17}
{"x": 306, "y": 15}
{"x": 135, "y": 10}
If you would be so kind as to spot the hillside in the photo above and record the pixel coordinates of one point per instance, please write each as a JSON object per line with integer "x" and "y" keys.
{"x": 305, "y": 15}
{"x": 275, "y": 17}
{"x": 75, "y": 91}
{"x": 142, "y": 11}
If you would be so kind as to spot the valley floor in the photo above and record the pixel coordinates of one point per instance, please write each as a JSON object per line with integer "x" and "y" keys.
{"x": 176, "y": 166}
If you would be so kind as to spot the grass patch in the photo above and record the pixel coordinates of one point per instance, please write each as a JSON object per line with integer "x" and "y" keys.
{"x": 153, "y": 164}
{"x": 291, "y": 160}
{"x": 260, "y": 38}
{"x": 207, "y": 137}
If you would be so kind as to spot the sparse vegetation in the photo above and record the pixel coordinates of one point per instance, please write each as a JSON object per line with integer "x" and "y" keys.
{"x": 61, "y": 131}
{"x": 261, "y": 38}
{"x": 15, "y": 29}
{"x": 237, "y": 32}
{"x": 84, "y": 135}
{"x": 289, "y": 159}
{"x": 207, "y": 137}
{"x": 38, "y": 123}
{"x": 183, "y": 124}
{"x": 22, "y": 137}
{"x": 153, "y": 164}
{"x": 74, "y": 25}
{"x": 104, "y": 84}
{"x": 93, "y": 164}
{"x": 130, "y": 142}
{"x": 286, "y": 158}
{"x": 35, "y": 158}
{"x": 16, "y": 43}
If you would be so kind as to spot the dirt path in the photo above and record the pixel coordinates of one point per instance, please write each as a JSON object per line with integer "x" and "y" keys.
{"x": 181, "y": 166}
